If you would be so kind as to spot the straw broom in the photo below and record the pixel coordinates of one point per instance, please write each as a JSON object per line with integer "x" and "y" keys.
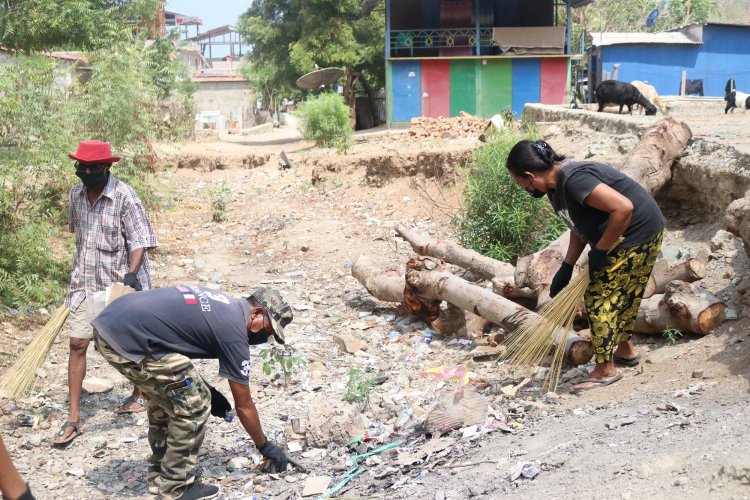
{"x": 531, "y": 342}
{"x": 551, "y": 327}
{"x": 22, "y": 374}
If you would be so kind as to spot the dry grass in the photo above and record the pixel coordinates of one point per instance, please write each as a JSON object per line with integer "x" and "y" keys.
{"x": 22, "y": 374}
{"x": 551, "y": 328}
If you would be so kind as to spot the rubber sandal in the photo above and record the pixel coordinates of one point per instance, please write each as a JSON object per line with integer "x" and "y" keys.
{"x": 595, "y": 382}
{"x": 627, "y": 362}
{"x": 131, "y": 399}
{"x": 77, "y": 431}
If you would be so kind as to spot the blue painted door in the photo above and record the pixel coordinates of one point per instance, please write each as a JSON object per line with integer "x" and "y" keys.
{"x": 407, "y": 91}
{"x": 526, "y": 86}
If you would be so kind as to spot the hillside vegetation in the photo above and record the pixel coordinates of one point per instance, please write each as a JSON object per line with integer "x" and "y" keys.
{"x": 732, "y": 11}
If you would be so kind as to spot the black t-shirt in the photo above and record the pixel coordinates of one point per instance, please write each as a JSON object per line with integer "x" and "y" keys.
{"x": 199, "y": 323}
{"x": 576, "y": 181}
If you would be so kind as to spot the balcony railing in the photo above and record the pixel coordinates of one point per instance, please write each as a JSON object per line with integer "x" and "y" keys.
{"x": 406, "y": 41}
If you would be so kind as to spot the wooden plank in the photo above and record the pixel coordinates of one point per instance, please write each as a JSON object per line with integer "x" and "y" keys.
{"x": 436, "y": 88}
{"x": 463, "y": 86}
{"x": 526, "y": 83}
{"x": 407, "y": 92}
{"x": 554, "y": 83}
{"x": 497, "y": 86}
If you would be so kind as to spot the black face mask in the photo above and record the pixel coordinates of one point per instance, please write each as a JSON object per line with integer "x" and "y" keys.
{"x": 256, "y": 338}
{"x": 535, "y": 193}
{"x": 94, "y": 179}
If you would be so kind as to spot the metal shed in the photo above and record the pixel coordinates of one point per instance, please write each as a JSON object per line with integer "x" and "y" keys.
{"x": 711, "y": 53}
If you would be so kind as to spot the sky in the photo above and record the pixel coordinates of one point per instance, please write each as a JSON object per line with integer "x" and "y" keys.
{"x": 213, "y": 13}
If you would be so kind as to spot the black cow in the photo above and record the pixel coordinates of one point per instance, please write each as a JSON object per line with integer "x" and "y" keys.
{"x": 622, "y": 94}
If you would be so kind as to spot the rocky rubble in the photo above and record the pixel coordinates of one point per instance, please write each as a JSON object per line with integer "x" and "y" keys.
{"x": 464, "y": 125}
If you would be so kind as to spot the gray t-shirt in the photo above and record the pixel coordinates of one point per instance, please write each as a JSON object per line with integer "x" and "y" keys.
{"x": 577, "y": 179}
{"x": 199, "y": 323}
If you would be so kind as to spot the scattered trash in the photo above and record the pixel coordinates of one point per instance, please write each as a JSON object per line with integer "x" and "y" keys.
{"x": 522, "y": 469}
{"x": 315, "y": 485}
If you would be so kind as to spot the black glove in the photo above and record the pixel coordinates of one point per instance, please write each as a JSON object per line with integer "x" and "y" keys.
{"x": 275, "y": 455}
{"x": 131, "y": 280}
{"x": 27, "y": 494}
{"x": 561, "y": 279}
{"x": 597, "y": 261}
{"x": 219, "y": 404}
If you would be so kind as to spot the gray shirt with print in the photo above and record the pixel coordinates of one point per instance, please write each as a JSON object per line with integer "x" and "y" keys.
{"x": 199, "y": 323}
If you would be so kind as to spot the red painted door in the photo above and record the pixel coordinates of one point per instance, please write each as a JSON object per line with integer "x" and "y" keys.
{"x": 436, "y": 88}
{"x": 554, "y": 80}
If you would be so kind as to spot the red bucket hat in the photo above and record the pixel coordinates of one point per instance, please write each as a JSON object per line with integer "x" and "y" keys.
{"x": 93, "y": 152}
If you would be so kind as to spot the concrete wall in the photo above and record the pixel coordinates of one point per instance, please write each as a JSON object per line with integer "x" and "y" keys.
{"x": 220, "y": 101}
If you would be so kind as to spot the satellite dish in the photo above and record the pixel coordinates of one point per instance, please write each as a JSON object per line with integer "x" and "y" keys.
{"x": 318, "y": 78}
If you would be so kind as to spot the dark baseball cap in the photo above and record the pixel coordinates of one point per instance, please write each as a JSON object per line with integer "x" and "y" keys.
{"x": 279, "y": 311}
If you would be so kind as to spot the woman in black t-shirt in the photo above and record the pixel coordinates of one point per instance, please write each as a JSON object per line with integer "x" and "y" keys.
{"x": 600, "y": 205}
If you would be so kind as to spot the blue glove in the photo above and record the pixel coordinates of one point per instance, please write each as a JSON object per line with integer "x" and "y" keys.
{"x": 561, "y": 279}
{"x": 597, "y": 261}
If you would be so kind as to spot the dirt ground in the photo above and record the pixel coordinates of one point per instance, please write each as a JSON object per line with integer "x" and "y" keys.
{"x": 676, "y": 426}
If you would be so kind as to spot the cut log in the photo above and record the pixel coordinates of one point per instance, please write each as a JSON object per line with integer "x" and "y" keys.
{"x": 536, "y": 271}
{"x": 453, "y": 253}
{"x": 688, "y": 270}
{"x": 737, "y": 220}
{"x": 650, "y": 162}
{"x": 433, "y": 284}
{"x": 683, "y": 306}
{"x": 383, "y": 284}
{"x": 428, "y": 283}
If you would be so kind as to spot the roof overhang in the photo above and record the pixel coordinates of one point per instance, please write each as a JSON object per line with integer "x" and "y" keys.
{"x": 602, "y": 39}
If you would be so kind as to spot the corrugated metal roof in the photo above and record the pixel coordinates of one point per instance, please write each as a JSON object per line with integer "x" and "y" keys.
{"x": 671, "y": 38}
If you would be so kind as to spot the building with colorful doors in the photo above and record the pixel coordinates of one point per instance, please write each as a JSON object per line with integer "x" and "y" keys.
{"x": 477, "y": 56}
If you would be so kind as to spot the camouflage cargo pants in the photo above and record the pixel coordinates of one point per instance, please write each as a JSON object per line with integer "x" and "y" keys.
{"x": 178, "y": 409}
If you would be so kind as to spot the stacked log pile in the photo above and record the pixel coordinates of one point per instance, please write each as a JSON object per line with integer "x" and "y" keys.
{"x": 672, "y": 299}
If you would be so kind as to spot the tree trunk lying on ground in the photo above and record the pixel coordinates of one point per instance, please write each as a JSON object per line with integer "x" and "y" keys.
{"x": 737, "y": 220}
{"x": 428, "y": 283}
{"x": 650, "y": 162}
{"x": 383, "y": 284}
{"x": 453, "y": 253}
{"x": 683, "y": 306}
{"x": 688, "y": 270}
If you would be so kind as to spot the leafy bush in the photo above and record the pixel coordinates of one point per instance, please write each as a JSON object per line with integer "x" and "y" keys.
{"x": 30, "y": 272}
{"x": 325, "y": 119}
{"x": 500, "y": 219}
{"x": 219, "y": 198}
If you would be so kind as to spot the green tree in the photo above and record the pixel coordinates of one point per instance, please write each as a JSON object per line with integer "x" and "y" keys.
{"x": 290, "y": 37}
{"x": 615, "y": 15}
{"x": 36, "y": 25}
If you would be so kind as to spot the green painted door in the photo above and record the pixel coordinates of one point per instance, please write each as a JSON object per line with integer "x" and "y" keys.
{"x": 463, "y": 86}
{"x": 496, "y": 92}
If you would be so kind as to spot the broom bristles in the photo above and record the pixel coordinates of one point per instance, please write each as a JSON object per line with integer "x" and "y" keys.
{"x": 532, "y": 342}
{"x": 22, "y": 373}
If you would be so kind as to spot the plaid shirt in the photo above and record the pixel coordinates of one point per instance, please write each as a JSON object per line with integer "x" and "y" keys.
{"x": 106, "y": 232}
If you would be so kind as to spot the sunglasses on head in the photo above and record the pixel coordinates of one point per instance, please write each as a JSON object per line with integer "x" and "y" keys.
{"x": 94, "y": 168}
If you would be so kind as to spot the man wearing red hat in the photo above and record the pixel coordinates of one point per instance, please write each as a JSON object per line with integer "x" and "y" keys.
{"x": 113, "y": 234}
